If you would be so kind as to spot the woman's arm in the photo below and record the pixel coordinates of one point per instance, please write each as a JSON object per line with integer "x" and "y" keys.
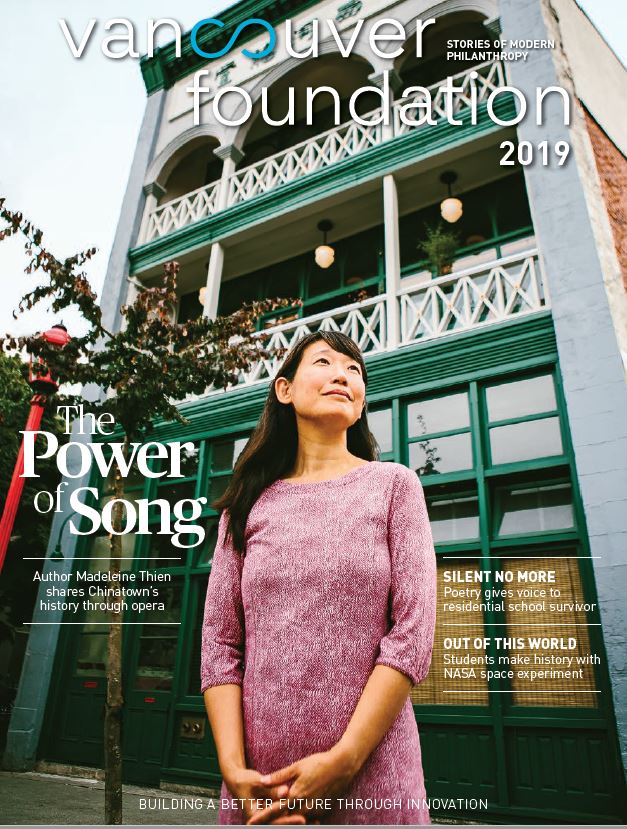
{"x": 379, "y": 705}
{"x": 223, "y": 629}
{"x": 224, "y": 710}
{"x": 222, "y": 673}
{"x": 405, "y": 651}
{"x": 328, "y": 774}
{"x": 222, "y": 654}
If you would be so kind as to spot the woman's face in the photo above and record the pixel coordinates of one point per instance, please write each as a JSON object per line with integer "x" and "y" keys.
{"x": 327, "y": 386}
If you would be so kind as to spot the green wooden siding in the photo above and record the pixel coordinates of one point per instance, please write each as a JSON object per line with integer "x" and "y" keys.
{"x": 163, "y": 69}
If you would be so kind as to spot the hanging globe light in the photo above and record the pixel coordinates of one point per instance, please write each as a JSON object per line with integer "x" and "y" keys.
{"x": 451, "y": 208}
{"x": 324, "y": 254}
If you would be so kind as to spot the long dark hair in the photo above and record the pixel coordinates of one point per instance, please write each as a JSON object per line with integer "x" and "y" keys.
{"x": 271, "y": 449}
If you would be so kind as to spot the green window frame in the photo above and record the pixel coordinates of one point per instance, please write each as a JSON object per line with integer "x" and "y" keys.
{"x": 489, "y": 483}
{"x": 456, "y": 438}
{"x": 515, "y": 424}
{"x": 486, "y": 484}
{"x": 530, "y": 486}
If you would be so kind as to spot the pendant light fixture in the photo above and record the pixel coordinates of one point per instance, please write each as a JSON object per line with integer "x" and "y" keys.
{"x": 325, "y": 255}
{"x": 451, "y": 207}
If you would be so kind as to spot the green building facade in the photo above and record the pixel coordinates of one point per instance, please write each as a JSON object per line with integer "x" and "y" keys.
{"x": 472, "y": 383}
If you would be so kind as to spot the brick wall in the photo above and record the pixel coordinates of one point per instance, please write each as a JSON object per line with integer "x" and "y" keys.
{"x": 612, "y": 167}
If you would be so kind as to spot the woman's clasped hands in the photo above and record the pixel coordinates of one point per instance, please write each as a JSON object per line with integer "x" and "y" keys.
{"x": 312, "y": 780}
{"x": 247, "y": 787}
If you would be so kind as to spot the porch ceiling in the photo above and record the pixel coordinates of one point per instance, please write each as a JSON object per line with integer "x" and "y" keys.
{"x": 351, "y": 211}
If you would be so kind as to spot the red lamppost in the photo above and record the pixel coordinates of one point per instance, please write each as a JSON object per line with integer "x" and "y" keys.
{"x": 44, "y": 386}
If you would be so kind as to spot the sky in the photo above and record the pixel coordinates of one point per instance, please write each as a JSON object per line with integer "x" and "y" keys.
{"x": 68, "y": 128}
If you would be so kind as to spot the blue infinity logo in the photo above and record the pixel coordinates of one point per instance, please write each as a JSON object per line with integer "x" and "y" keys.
{"x": 250, "y": 22}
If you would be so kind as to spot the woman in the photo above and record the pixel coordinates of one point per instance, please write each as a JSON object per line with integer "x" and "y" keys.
{"x": 320, "y": 609}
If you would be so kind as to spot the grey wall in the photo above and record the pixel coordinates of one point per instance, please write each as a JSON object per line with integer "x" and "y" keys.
{"x": 590, "y": 362}
{"x": 115, "y": 285}
{"x": 30, "y": 703}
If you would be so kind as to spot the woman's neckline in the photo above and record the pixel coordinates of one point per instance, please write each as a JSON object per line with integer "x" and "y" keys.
{"x": 356, "y": 472}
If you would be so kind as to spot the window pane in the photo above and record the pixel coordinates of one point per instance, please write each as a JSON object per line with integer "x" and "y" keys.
{"x": 536, "y": 509}
{"x": 189, "y": 307}
{"x": 325, "y": 280}
{"x": 381, "y": 427}
{"x": 360, "y": 255}
{"x": 238, "y": 447}
{"x": 157, "y": 645}
{"x": 133, "y": 497}
{"x": 189, "y": 461}
{"x": 523, "y": 397}
{"x": 205, "y": 556}
{"x": 225, "y": 453}
{"x": 438, "y": 415}
{"x": 91, "y": 657}
{"x": 218, "y": 487}
{"x": 133, "y": 479}
{"x": 551, "y": 617}
{"x": 524, "y": 441}
{"x": 101, "y": 550}
{"x": 234, "y": 292}
{"x": 173, "y": 493}
{"x": 437, "y": 687}
{"x": 162, "y": 552}
{"x": 438, "y": 455}
{"x": 284, "y": 282}
{"x": 454, "y": 519}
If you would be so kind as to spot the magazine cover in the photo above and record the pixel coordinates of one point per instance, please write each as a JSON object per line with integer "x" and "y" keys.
{"x": 313, "y": 418}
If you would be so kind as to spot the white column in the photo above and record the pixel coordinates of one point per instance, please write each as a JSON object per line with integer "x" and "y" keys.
{"x": 153, "y": 193}
{"x": 230, "y": 156}
{"x": 392, "y": 260}
{"x": 131, "y": 292}
{"x": 214, "y": 278}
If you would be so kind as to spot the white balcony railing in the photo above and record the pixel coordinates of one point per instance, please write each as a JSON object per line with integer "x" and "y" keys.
{"x": 313, "y": 154}
{"x": 182, "y": 211}
{"x": 319, "y": 152}
{"x": 500, "y": 290}
{"x": 363, "y": 321}
{"x": 494, "y": 292}
{"x": 473, "y": 87}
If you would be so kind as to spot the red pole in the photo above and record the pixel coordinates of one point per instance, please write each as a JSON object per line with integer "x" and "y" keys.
{"x": 43, "y": 385}
{"x": 16, "y": 486}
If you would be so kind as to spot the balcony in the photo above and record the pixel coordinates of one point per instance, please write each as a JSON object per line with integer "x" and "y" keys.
{"x": 490, "y": 293}
{"x": 505, "y": 289}
{"x": 313, "y": 155}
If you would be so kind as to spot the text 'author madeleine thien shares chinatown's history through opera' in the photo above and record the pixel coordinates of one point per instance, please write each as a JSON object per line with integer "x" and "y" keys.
{"x": 314, "y": 461}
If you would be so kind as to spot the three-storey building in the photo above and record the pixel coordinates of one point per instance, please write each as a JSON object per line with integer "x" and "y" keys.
{"x": 496, "y": 373}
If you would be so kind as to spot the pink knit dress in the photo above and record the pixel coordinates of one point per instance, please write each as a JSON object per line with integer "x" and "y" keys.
{"x": 338, "y": 576}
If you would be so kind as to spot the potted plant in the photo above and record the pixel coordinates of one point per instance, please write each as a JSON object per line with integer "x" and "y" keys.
{"x": 439, "y": 246}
